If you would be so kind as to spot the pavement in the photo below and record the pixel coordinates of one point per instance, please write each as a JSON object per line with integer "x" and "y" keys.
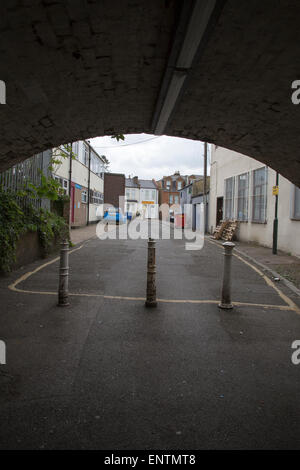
{"x": 108, "y": 373}
{"x": 81, "y": 234}
{"x": 284, "y": 264}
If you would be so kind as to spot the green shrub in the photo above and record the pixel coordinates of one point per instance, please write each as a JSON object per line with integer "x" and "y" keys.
{"x": 14, "y": 222}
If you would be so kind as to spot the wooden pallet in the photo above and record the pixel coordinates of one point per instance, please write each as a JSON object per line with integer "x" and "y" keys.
{"x": 230, "y": 230}
{"x": 220, "y": 229}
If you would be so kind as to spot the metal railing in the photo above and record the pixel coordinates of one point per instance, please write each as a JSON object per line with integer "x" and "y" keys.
{"x": 18, "y": 176}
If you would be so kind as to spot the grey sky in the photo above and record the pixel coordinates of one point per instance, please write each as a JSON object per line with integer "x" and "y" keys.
{"x": 155, "y": 158}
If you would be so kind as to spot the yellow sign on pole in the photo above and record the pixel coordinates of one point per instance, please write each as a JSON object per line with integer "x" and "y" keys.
{"x": 275, "y": 190}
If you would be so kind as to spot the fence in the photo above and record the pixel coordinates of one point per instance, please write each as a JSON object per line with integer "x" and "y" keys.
{"x": 17, "y": 177}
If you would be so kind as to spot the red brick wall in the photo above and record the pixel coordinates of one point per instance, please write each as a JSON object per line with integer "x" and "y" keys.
{"x": 163, "y": 197}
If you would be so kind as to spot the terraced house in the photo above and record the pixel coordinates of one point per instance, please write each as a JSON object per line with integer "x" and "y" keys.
{"x": 141, "y": 197}
{"x": 170, "y": 186}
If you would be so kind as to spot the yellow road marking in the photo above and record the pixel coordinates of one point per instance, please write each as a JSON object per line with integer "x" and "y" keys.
{"x": 25, "y": 276}
{"x": 290, "y": 305}
{"x": 270, "y": 283}
{"x": 171, "y": 301}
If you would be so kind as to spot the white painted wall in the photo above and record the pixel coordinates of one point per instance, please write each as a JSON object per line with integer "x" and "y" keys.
{"x": 226, "y": 163}
{"x": 80, "y": 173}
{"x": 96, "y": 212}
{"x": 62, "y": 170}
{"x": 96, "y": 183}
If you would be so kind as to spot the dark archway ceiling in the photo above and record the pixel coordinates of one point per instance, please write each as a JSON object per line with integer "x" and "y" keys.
{"x": 83, "y": 68}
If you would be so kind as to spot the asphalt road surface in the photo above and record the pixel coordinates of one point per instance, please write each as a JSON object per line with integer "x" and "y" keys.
{"x": 107, "y": 373}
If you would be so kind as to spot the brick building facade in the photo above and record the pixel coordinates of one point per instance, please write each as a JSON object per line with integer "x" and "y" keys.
{"x": 170, "y": 186}
{"x": 114, "y": 187}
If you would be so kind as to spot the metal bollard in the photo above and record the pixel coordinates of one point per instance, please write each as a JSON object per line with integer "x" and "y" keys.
{"x": 226, "y": 287}
{"x": 63, "y": 292}
{"x": 151, "y": 273}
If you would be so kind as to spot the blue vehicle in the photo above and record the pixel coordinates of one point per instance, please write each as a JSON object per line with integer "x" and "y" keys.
{"x": 113, "y": 215}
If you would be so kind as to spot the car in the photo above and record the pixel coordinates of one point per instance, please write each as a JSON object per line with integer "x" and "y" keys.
{"x": 113, "y": 215}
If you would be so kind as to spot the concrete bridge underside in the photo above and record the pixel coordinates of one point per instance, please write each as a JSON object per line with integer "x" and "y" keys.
{"x": 219, "y": 71}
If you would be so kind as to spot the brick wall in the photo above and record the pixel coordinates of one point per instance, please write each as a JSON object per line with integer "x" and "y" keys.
{"x": 114, "y": 187}
{"x": 164, "y": 196}
{"x": 81, "y": 69}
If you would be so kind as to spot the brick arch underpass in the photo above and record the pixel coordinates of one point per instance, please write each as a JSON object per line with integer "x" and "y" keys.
{"x": 219, "y": 71}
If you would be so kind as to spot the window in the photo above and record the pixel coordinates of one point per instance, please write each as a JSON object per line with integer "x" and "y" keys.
{"x": 64, "y": 184}
{"x": 58, "y": 179}
{"x": 84, "y": 196}
{"x": 259, "y": 195}
{"x": 229, "y": 198}
{"x": 147, "y": 194}
{"x": 295, "y": 207}
{"x": 96, "y": 164}
{"x": 171, "y": 199}
{"x": 176, "y": 199}
{"x": 85, "y": 155}
{"x": 168, "y": 184}
{"x": 75, "y": 149}
{"x": 130, "y": 193}
{"x": 242, "y": 196}
{"x": 179, "y": 184}
{"x": 96, "y": 197}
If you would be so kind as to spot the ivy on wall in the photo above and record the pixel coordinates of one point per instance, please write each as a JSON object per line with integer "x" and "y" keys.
{"x": 15, "y": 221}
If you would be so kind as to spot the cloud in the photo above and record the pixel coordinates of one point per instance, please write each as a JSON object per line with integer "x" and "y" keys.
{"x": 148, "y": 156}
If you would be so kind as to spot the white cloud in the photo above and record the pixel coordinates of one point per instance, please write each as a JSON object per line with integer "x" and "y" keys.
{"x": 155, "y": 158}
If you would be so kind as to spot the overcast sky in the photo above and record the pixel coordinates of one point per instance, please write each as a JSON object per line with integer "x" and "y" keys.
{"x": 152, "y": 157}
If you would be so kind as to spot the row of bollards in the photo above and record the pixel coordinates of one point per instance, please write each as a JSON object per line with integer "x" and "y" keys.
{"x": 63, "y": 290}
{"x": 226, "y": 283}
